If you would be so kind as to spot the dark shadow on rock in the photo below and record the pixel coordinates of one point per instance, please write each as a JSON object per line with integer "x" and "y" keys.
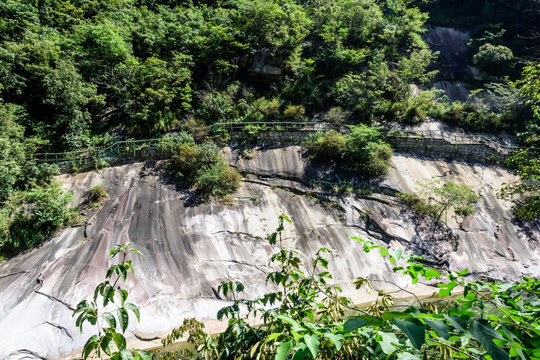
{"x": 430, "y": 239}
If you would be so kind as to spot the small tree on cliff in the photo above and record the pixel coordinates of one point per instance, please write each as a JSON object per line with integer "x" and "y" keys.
{"x": 109, "y": 342}
{"x": 438, "y": 197}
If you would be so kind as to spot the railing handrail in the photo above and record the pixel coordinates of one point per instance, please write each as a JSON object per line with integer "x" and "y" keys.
{"x": 118, "y": 147}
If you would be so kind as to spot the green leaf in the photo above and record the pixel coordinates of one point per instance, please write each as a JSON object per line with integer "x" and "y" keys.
{"x": 387, "y": 342}
{"x": 458, "y": 324}
{"x": 392, "y": 315}
{"x": 440, "y": 327}
{"x": 284, "y": 349}
{"x": 273, "y": 336}
{"x": 143, "y": 355}
{"x": 135, "y": 310}
{"x": 123, "y": 318}
{"x": 463, "y": 272}
{"x": 108, "y": 294}
{"x": 432, "y": 273}
{"x": 121, "y": 271}
{"x": 336, "y": 339}
{"x": 106, "y": 344}
{"x": 312, "y": 342}
{"x": 109, "y": 318}
{"x": 484, "y": 333}
{"x": 353, "y": 324}
{"x": 123, "y": 295}
{"x": 301, "y": 352}
{"x": 272, "y": 238}
{"x": 414, "y": 330}
{"x": 408, "y": 356}
{"x": 119, "y": 340}
{"x": 90, "y": 345}
{"x": 125, "y": 355}
{"x": 296, "y": 327}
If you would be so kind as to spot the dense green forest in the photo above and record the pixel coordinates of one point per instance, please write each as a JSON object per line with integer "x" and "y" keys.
{"x": 77, "y": 74}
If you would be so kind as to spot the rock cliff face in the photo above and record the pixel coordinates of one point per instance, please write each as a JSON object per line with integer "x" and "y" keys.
{"x": 190, "y": 248}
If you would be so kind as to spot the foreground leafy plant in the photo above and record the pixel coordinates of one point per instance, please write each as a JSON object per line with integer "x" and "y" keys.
{"x": 305, "y": 317}
{"x": 108, "y": 341}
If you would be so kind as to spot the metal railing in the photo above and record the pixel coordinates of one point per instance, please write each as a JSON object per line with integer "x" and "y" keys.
{"x": 455, "y": 138}
{"x": 145, "y": 148}
{"x": 116, "y": 149}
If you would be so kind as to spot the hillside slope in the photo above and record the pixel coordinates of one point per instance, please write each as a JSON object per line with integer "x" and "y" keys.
{"x": 189, "y": 248}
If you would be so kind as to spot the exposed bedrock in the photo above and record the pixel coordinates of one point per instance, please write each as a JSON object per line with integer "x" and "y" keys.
{"x": 190, "y": 248}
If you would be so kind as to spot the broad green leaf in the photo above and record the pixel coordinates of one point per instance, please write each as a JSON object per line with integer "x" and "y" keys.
{"x": 296, "y": 327}
{"x": 283, "y": 350}
{"x": 123, "y": 296}
{"x": 414, "y": 330}
{"x": 121, "y": 271}
{"x": 119, "y": 340}
{"x": 272, "y": 239}
{"x": 125, "y": 355}
{"x": 463, "y": 272}
{"x": 446, "y": 288}
{"x": 336, "y": 339}
{"x": 312, "y": 342}
{"x": 392, "y": 315}
{"x": 301, "y": 352}
{"x": 143, "y": 355}
{"x": 123, "y": 318}
{"x": 273, "y": 336}
{"x": 106, "y": 344}
{"x": 353, "y": 324}
{"x": 484, "y": 333}
{"x": 387, "y": 342}
{"x": 440, "y": 327}
{"x": 109, "y": 318}
{"x": 108, "y": 294}
{"x": 432, "y": 273}
{"x": 408, "y": 356}
{"x": 90, "y": 345}
{"x": 135, "y": 310}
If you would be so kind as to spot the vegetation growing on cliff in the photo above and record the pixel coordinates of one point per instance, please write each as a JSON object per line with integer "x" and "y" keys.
{"x": 79, "y": 69}
{"x": 362, "y": 150}
{"x": 199, "y": 166}
{"x": 437, "y": 197}
{"x": 304, "y": 318}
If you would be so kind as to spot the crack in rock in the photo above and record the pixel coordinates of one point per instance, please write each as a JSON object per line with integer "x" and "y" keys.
{"x": 235, "y": 262}
{"x": 33, "y": 354}
{"x": 61, "y": 328}
{"x": 239, "y": 233}
{"x": 15, "y": 273}
{"x": 55, "y": 299}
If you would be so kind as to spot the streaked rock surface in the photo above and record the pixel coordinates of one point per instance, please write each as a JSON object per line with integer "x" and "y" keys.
{"x": 190, "y": 248}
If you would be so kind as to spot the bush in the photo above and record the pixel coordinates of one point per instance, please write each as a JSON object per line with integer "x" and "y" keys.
{"x": 218, "y": 180}
{"x": 493, "y": 58}
{"x": 470, "y": 117}
{"x": 37, "y": 215}
{"x": 361, "y": 150}
{"x": 96, "y": 195}
{"x": 295, "y": 113}
{"x": 169, "y": 144}
{"x": 337, "y": 115}
{"x": 330, "y": 146}
{"x": 203, "y": 168}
